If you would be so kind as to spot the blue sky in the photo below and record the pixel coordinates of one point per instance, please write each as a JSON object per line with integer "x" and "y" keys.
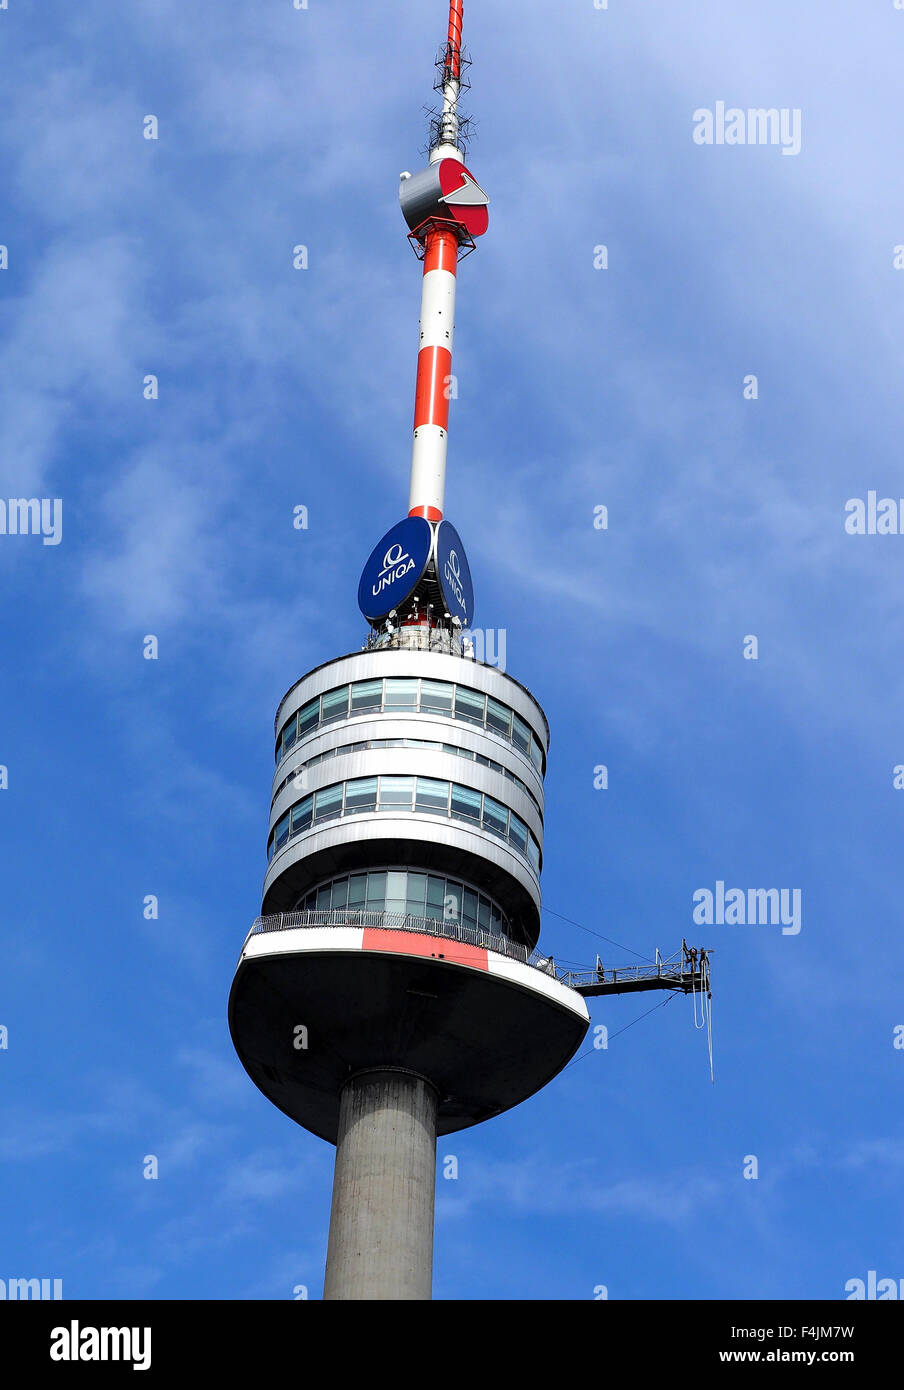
{"x": 577, "y": 388}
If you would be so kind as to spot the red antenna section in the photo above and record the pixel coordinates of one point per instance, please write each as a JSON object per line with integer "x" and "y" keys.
{"x": 453, "y": 47}
{"x": 445, "y": 208}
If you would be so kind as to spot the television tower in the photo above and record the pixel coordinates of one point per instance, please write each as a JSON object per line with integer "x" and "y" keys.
{"x": 389, "y": 991}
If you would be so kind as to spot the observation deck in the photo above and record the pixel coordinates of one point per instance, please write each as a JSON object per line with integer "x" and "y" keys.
{"x": 471, "y": 1010}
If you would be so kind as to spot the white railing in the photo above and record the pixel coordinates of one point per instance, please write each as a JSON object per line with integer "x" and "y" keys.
{"x": 402, "y": 921}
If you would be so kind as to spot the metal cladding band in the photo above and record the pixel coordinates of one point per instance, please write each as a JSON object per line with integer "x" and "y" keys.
{"x": 434, "y": 371}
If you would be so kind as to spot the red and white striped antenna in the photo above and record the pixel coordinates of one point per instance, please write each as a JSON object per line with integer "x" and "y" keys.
{"x": 445, "y": 209}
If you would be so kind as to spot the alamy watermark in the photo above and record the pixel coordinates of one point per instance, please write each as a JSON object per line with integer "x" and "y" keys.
{"x": 751, "y": 907}
{"x": 874, "y": 516}
{"x": 755, "y": 125}
{"x": 874, "y": 1288}
{"x": 24, "y": 1289}
{"x": 32, "y": 516}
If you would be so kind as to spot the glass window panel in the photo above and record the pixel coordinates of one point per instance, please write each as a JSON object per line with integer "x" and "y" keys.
{"x": 495, "y": 816}
{"x": 483, "y": 913}
{"x": 400, "y": 694}
{"x": 339, "y": 896}
{"x": 281, "y": 833}
{"x": 334, "y": 704}
{"x": 290, "y": 734}
{"x": 302, "y": 814}
{"x": 436, "y": 696}
{"x": 459, "y": 752}
{"x": 521, "y": 734}
{"x": 536, "y": 753}
{"x": 396, "y": 792}
{"x": 357, "y": 890}
{"x": 360, "y": 795}
{"x": 270, "y": 850}
{"x": 417, "y": 893}
{"x": 432, "y": 796}
{"x": 366, "y": 695}
{"x": 328, "y": 803}
{"x": 395, "y": 890}
{"x": 469, "y": 907}
{"x": 376, "y": 891}
{"x": 499, "y": 717}
{"x": 469, "y": 704}
{"x": 517, "y": 832}
{"x": 465, "y": 803}
{"x": 308, "y": 717}
{"x": 323, "y": 898}
{"x": 533, "y": 852}
{"x": 436, "y": 893}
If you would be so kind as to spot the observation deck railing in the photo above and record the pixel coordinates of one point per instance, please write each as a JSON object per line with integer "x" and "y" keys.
{"x": 403, "y": 921}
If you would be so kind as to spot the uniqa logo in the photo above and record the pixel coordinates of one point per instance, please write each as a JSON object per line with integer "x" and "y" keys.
{"x": 452, "y": 573}
{"x": 396, "y": 564}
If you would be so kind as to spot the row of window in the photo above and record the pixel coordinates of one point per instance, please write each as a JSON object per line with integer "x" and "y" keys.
{"x": 403, "y": 891}
{"x": 409, "y": 743}
{"x": 401, "y": 794}
{"x": 412, "y": 696}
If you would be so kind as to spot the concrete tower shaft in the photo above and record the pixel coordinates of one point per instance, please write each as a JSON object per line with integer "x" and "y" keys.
{"x": 381, "y": 1220}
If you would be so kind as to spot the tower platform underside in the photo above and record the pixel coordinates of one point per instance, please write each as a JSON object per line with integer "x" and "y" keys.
{"x": 486, "y": 1030}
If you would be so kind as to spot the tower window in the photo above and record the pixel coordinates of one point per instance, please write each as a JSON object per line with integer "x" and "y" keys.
{"x": 308, "y": 717}
{"x": 465, "y": 803}
{"x": 400, "y": 695}
{"x": 521, "y": 735}
{"x": 495, "y": 817}
{"x": 396, "y": 793}
{"x": 281, "y": 833}
{"x": 328, "y": 803}
{"x": 436, "y": 697}
{"x": 334, "y": 705}
{"x": 432, "y": 796}
{"x": 361, "y": 795}
{"x": 499, "y": 718}
{"x": 367, "y": 695}
{"x": 518, "y": 833}
{"x": 469, "y": 705}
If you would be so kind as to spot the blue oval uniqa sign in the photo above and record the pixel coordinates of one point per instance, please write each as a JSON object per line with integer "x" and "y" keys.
{"x": 395, "y": 567}
{"x": 454, "y": 574}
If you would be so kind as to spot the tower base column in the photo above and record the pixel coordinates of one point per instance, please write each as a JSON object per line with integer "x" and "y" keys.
{"x": 381, "y": 1219}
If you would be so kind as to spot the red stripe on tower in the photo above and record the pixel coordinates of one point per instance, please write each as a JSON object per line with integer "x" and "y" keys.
{"x": 431, "y": 396}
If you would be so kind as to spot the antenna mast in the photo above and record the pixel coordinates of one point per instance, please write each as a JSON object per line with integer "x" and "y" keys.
{"x": 451, "y": 80}
{"x": 445, "y": 209}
